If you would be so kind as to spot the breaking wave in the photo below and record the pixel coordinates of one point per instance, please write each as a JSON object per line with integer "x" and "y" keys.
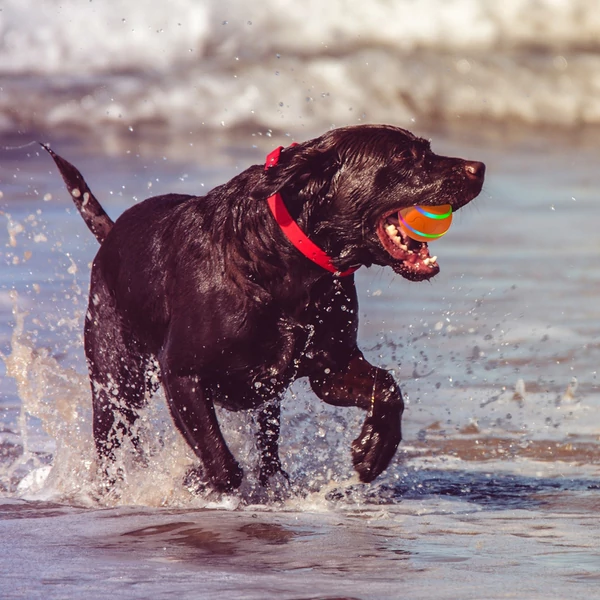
{"x": 273, "y": 64}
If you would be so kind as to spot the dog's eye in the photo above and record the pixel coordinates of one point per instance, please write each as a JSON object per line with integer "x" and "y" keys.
{"x": 417, "y": 154}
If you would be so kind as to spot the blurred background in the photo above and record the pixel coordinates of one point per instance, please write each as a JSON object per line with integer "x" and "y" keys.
{"x": 189, "y": 67}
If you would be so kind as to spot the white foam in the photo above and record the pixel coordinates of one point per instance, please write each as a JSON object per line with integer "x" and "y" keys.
{"x": 230, "y": 63}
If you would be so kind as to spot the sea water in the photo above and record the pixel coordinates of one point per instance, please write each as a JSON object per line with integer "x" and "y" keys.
{"x": 494, "y": 490}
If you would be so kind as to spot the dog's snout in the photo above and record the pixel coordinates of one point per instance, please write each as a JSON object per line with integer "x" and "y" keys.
{"x": 475, "y": 170}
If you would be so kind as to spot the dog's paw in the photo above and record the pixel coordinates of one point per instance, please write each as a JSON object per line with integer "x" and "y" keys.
{"x": 273, "y": 475}
{"x": 229, "y": 481}
{"x": 196, "y": 482}
{"x": 199, "y": 482}
{"x": 373, "y": 449}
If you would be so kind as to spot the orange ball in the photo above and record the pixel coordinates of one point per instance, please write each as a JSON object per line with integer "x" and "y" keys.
{"x": 425, "y": 223}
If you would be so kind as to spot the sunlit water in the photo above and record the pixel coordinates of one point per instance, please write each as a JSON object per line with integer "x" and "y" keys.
{"x": 493, "y": 492}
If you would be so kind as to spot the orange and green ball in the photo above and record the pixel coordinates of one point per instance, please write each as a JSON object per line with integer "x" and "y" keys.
{"x": 425, "y": 223}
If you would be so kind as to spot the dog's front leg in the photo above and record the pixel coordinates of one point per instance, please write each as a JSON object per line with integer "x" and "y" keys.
{"x": 361, "y": 384}
{"x": 292, "y": 336}
{"x": 194, "y": 415}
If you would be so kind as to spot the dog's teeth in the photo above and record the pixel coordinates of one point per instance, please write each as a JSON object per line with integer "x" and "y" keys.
{"x": 430, "y": 260}
{"x": 391, "y": 230}
{"x": 403, "y": 246}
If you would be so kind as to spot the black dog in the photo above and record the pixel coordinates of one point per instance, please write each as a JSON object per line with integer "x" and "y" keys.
{"x": 214, "y": 290}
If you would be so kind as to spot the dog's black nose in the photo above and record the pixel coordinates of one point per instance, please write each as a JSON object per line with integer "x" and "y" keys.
{"x": 474, "y": 169}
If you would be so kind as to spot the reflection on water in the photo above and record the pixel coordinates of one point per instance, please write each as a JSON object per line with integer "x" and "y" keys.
{"x": 489, "y": 490}
{"x": 432, "y": 546}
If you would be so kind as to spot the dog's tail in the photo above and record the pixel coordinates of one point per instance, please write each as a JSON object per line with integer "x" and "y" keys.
{"x": 93, "y": 214}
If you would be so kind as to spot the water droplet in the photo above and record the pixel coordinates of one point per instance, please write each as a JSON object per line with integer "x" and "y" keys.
{"x": 463, "y": 66}
{"x": 560, "y": 63}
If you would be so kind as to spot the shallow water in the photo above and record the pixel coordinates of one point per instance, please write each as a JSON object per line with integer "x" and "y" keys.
{"x": 494, "y": 491}
{"x": 433, "y": 548}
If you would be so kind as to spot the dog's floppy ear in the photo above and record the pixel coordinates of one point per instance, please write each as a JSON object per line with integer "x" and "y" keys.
{"x": 306, "y": 169}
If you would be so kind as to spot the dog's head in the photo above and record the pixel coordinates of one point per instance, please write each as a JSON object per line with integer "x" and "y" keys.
{"x": 346, "y": 188}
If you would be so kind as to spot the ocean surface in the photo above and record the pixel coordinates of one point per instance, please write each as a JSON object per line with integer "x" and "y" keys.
{"x": 494, "y": 492}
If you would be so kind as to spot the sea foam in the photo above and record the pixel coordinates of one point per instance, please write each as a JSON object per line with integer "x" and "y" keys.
{"x": 270, "y": 64}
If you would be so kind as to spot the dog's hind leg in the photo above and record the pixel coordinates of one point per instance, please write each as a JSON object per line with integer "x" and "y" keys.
{"x": 117, "y": 364}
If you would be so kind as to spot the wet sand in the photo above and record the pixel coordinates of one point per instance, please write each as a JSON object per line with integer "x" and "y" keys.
{"x": 431, "y": 548}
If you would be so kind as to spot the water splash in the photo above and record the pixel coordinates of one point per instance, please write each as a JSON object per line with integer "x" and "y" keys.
{"x": 52, "y": 396}
{"x": 57, "y": 461}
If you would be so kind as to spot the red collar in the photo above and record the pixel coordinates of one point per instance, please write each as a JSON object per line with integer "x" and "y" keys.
{"x": 291, "y": 230}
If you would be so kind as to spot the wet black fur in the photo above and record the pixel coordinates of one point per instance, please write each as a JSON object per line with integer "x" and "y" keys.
{"x": 210, "y": 288}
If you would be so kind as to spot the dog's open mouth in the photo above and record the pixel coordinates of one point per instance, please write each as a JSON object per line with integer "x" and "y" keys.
{"x": 411, "y": 258}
